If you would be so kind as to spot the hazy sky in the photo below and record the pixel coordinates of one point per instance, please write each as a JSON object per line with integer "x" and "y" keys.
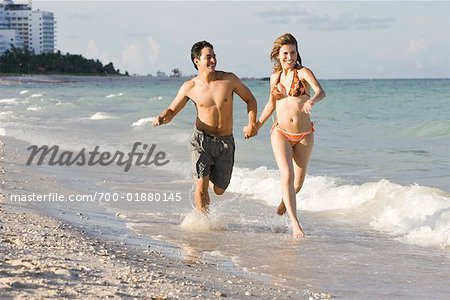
{"x": 336, "y": 39}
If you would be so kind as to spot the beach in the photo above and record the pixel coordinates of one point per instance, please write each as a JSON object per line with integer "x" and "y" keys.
{"x": 43, "y": 257}
{"x": 376, "y": 220}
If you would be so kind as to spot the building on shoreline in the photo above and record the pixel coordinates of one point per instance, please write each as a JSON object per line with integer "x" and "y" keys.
{"x": 24, "y": 28}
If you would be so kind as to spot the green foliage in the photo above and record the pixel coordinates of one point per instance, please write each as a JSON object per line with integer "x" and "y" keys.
{"x": 24, "y": 62}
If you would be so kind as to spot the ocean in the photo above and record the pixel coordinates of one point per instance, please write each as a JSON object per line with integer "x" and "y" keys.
{"x": 375, "y": 205}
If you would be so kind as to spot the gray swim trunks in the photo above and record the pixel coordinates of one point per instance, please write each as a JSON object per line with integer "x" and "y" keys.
{"x": 212, "y": 156}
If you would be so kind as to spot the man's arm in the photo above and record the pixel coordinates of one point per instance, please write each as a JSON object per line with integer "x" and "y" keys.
{"x": 175, "y": 107}
{"x": 248, "y": 98}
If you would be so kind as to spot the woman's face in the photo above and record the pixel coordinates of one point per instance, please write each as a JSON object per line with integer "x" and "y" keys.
{"x": 287, "y": 56}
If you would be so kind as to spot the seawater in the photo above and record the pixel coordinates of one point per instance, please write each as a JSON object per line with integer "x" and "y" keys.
{"x": 375, "y": 205}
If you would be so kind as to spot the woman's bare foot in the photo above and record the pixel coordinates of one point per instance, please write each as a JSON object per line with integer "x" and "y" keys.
{"x": 297, "y": 231}
{"x": 281, "y": 210}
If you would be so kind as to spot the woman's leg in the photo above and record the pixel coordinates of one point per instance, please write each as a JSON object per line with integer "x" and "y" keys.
{"x": 283, "y": 153}
{"x": 301, "y": 156}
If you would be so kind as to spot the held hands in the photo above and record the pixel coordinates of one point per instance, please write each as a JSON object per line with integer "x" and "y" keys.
{"x": 250, "y": 130}
{"x": 307, "y": 106}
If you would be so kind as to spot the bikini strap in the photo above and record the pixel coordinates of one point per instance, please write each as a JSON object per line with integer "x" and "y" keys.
{"x": 278, "y": 78}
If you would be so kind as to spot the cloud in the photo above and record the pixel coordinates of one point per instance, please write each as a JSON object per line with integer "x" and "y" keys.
{"x": 137, "y": 58}
{"x": 92, "y": 49}
{"x": 418, "y": 65}
{"x": 136, "y": 34}
{"x": 281, "y": 13}
{"x": 416, "y": 47}
{"x": 416, "y": 50}
{"x": 92, "y": 52}
{"x": 154, "y": 49}
{"x": 325, "y": 22}
{"x": 384, "y": 54}
{"x": 132, "y": 58}
{"x": 80, "y": 16}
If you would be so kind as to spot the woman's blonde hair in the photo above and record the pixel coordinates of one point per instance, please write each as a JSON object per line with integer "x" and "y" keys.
{"x": 285, "y": 39}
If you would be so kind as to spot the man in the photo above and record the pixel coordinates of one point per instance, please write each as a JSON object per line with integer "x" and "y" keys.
{"x": 212, "y": 142}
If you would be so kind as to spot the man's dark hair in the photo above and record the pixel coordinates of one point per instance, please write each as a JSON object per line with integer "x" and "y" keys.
{"x": 196, "y": 50}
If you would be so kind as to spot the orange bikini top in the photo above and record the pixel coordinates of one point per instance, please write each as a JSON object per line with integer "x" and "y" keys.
{"x": 297, "y": 88}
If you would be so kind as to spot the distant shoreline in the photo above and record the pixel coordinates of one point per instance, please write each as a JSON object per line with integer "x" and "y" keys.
{"x": 65, "y": 78}
{"x": 39, "y": 78}
{"x": 6, "y": 79}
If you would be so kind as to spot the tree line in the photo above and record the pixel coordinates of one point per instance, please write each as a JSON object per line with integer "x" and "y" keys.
{"x": 18, "y": 61}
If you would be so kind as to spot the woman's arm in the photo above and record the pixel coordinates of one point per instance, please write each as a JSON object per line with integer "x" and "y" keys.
{"x": 319, "y": 94}
{"x": 269, "y": 108}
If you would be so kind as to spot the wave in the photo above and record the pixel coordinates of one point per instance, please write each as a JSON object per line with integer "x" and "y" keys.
{"x": 433, "y": 128}
{"x": 34, "y": 108}
{"x": 6, "y": 115}
{"x": 142, "y": 122}
{"x": 100, "y": 116}
{"x": 36, "y": 95}
{"x": 412, "y": 214}
{"x": 156, "y": 98}
{"x": 23, "y": 92}
{"x": 8, "y": 101}
{"x": 115, "y": 95}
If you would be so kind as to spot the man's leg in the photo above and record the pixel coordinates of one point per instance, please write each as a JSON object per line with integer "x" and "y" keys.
{"x": 201, "y": 194}
{"x": 217, "y": 190}
{"x": 223, "y": 167}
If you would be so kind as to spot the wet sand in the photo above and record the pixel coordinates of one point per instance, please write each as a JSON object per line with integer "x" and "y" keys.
{"x": 45, "y": 257}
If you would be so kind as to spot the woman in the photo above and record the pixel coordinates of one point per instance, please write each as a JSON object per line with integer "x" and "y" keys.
{"x": 292, "y": 134}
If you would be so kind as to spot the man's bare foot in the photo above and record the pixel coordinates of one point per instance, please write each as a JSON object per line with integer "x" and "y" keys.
{"x": 281, "y": 210}
{"x": 297, "y": 231}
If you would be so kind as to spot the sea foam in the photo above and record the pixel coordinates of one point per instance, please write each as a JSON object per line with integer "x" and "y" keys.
{"x": 195, "y": 221}
{"x": 142, "y": 122}
{"x": 6, "y": 115}
{"x": 156, "y": 98}
{"x": 8, "y": 101}
{"x": 115, "y": 95}
{"x": 413, "y": 214}
{"x": 34, "y": 108}
{"x": 100, "y": 116}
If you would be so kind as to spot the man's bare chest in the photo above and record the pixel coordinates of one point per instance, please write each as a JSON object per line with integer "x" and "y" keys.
{"x": 213, "y": 95}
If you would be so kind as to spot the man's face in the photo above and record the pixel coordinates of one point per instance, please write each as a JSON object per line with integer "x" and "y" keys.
{"x": 207, "y": 59}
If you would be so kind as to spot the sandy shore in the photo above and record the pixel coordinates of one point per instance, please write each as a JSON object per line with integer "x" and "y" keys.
{"x": 43, "y": 257}
{"x": 7, "y": 80}
{"x": 41, "y": 78}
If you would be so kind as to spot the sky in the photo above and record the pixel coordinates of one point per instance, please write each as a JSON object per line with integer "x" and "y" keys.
{"x": 337, "y": 40}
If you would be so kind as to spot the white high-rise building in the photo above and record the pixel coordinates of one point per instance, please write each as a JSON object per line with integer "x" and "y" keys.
{"x": 22, "y": 27}
{"x": 9, "y": 37}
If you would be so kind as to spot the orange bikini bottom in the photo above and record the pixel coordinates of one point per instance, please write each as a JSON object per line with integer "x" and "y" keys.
{"x": 293, "y": 138}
